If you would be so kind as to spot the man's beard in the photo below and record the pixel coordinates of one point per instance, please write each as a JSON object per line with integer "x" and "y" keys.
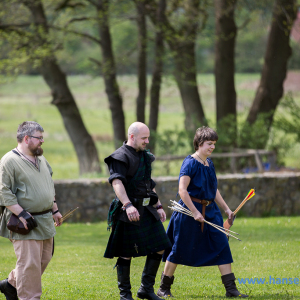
{"x": 138, "y": 148}
{"x": 36, "y": 151}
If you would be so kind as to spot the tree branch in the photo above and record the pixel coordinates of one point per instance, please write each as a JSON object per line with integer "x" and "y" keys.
{"x": 166, "y": 27}
{"x": 244, "y": 24}
{"x": 85, "y": 35}
{"x": 80, "y": 20}
{"x": 65, "y": 4}
{"x": 11, "y": 29}
{"x": 7, "y": 26}
{"x": 97, "y": 62}
{"x": 62, "y": 5}
{"x": 93, "y": 3}
{"x": 205, "y": 16}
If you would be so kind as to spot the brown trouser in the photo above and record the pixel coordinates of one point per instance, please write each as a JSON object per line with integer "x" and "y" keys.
{"x": 32, "y": 259}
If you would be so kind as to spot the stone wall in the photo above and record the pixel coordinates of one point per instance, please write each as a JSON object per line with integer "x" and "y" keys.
{"x": 276, "y": 194}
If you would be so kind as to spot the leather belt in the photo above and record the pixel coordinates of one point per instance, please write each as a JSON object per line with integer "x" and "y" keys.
{"x": 204, "y": 204}
{"x": 140, "y": 202}
{"x": 41, "y": 213}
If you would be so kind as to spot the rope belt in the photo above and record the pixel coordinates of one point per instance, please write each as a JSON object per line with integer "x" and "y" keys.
{"x": 204, "y": 204}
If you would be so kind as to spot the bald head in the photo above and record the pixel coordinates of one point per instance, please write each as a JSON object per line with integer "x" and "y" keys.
{"x": 136, "y": 127}
{"x": 138, "y": 136}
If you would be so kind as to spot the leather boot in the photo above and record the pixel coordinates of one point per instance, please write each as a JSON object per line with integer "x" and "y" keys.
{"x": 146, "y": 290}
{"x": 123, "y": 269}
{"x": 231, "y": 290}
{"x": 8, "y": 290}
{"x": 165, "y": 286}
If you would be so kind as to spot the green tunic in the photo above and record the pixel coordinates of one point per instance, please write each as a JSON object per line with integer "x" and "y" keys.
{"x": 22, "y": 183}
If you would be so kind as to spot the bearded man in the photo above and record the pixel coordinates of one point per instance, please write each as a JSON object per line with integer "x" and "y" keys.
{"x": 138, "y": 229}
{"x": 27, "y": 191}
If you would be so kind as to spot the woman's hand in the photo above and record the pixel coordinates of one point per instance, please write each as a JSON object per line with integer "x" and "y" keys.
{"x": 230, "y": 215}
{"x": 198, "y": 216}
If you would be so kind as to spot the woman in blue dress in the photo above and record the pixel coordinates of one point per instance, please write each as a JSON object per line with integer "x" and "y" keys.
{"x": 196, "y": 243}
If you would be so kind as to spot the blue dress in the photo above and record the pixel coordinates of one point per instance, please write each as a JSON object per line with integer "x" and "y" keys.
{"x": 191, "y": 246}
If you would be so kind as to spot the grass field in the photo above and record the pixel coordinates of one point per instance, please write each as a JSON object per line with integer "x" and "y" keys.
{"x": 28, "y": 98}
{"x": 269, "y": 247}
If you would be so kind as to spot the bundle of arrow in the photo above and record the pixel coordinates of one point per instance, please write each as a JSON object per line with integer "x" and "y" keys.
{"x": 67, "y": 215}
{"x": 179, "y": 208}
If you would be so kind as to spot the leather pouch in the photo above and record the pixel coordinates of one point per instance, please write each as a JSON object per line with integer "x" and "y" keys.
{"x": 153, "y": 198}
{"x": 15, "y": 225}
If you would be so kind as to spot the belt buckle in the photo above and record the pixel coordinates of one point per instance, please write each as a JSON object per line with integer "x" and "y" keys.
{"x": 146, "y": 201}
{"x": 207, "y": 202}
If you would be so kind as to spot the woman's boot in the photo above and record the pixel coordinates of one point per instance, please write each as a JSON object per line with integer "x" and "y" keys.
{"x": 231, "y": 290}
{"x": 165, "y": 286}
{"x": 123, "y": 269}
{"x": 146, "y": 290}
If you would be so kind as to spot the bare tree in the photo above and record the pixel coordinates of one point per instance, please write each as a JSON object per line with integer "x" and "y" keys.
{"x": 109, "y": 71}
{"x": 278, "y": 51}
{"x": 62, "y": 97}
{"x": 181, "y": 38}
{"x": 157, "y": 73}
{"x": 107, "y": 65}
{"x": 157, "y": 68}
{"x": 142, "y": 61}
{"x": 226, "y": 32}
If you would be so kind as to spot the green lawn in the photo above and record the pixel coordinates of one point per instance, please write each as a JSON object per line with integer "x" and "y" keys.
{"x": 29, "y": 98}
{"x": 269, "y": 247}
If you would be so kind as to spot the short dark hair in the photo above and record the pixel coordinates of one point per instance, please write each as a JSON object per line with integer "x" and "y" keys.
{"x": 28, "y": 128}
{"x": 204, "y": 134}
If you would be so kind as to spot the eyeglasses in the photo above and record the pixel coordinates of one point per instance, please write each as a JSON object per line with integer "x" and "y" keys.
{"x": 37, "y": 137}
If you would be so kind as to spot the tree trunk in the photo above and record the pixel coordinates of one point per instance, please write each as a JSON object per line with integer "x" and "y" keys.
{"x": 186, "y": 79}
{"x": 226, "y": 32}
{"x": 157, "y": 75}
{"x": 142, "y": 61}
{"x": 278, "y": 51}
{"x": 63, "y": 99}
{"x": 109, "y": 74}
{"x": 182, "y": 45}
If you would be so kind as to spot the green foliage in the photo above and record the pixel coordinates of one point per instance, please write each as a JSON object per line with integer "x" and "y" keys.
{"x": 285, "y": 132}
{"x": 174, "y": 142}
{"x": 289, "y": 122}
{"x": 294, "y": 61}
{"x": 227, "y": 133}
{"x": 74, "y": 51}
{"x": 240, "y": 134}
{"x": 250, "y": 47}
{"x": 254, "y": 136}
{"x": 78, "y": 271}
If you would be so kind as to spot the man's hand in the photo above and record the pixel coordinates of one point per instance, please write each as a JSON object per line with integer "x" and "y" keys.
{"x": 198, "y": 216}
{"x": 133, "y": 214}
{"x": 27, "y": 219}
{"x": 230, "y": 215}
{"x": 58, "y": 219}
{"x": 162, "y": 214}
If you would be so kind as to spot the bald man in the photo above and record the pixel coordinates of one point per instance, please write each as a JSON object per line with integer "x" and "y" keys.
{"x": 137, "y": 224}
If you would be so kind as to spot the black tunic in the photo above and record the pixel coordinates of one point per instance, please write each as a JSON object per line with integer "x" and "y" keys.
{"x": 123, "y": 164}
{"x": 133, "y": 239}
